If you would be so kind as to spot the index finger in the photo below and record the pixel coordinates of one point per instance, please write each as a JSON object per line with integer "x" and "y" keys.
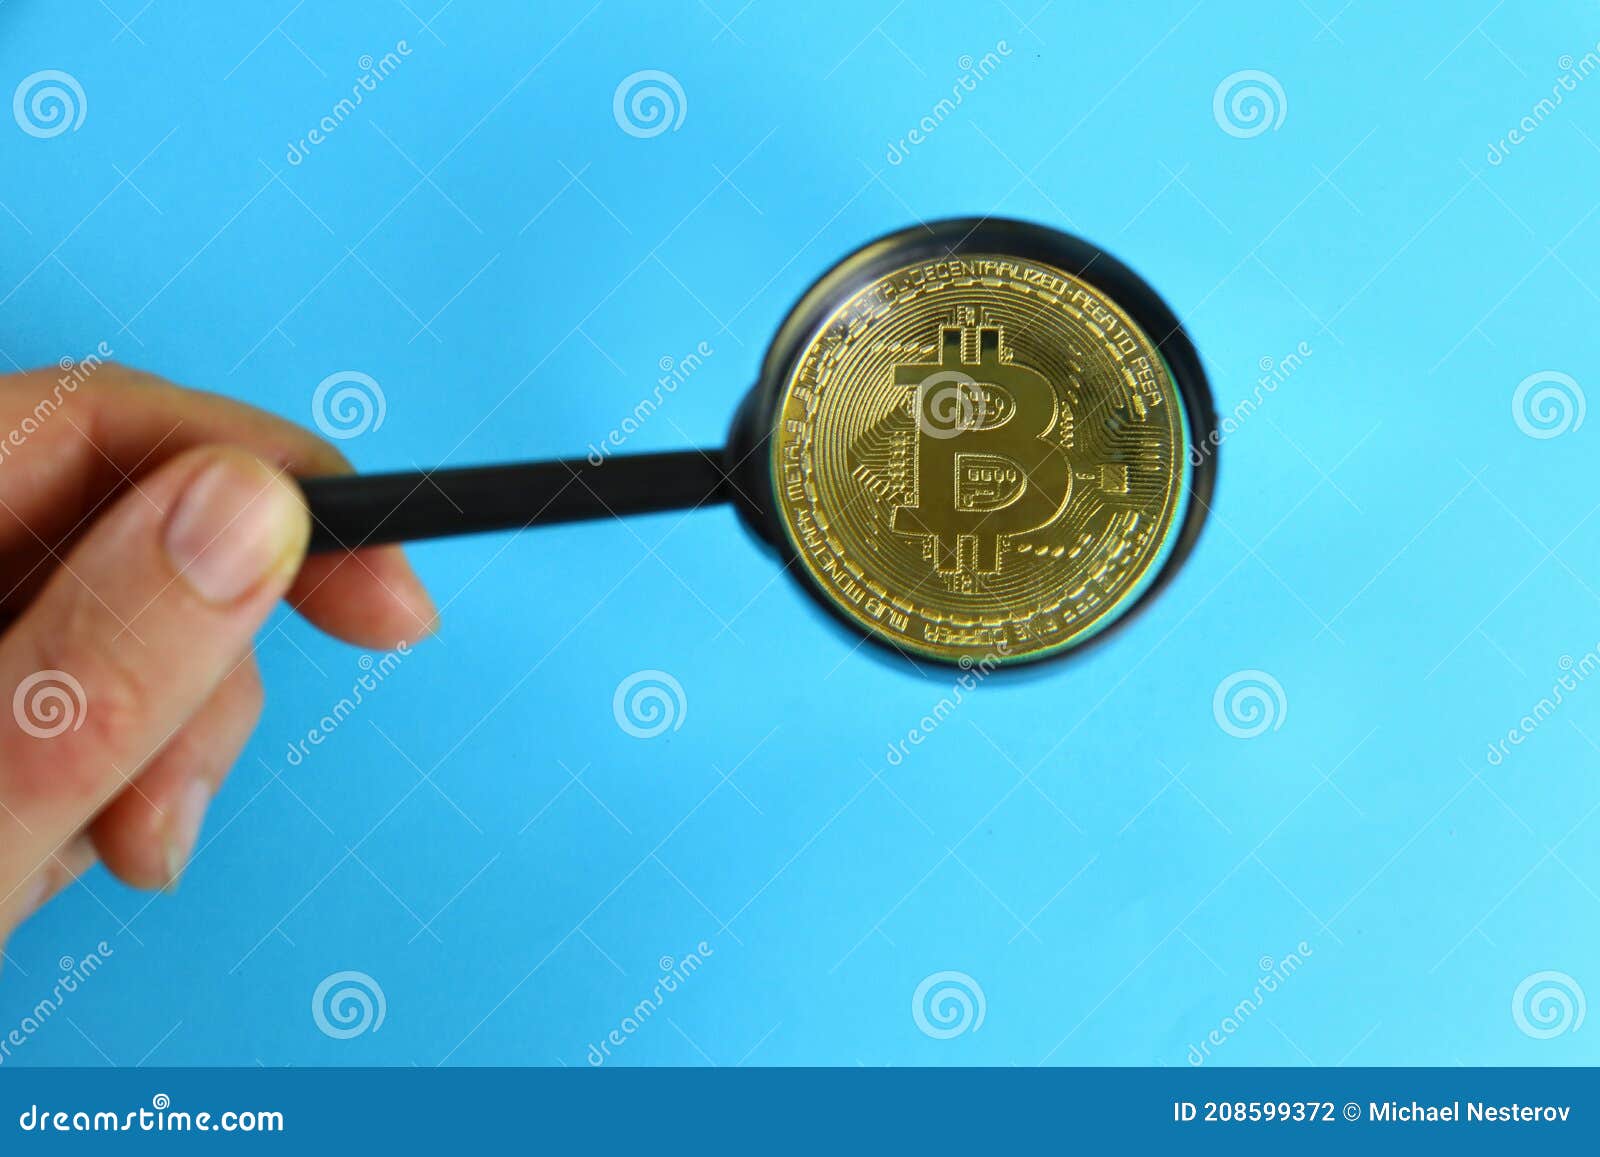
{"x": 77, "y": 439}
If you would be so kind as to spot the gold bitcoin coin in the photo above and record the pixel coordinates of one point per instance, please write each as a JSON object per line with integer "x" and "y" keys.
{"x": 980, "y": 459}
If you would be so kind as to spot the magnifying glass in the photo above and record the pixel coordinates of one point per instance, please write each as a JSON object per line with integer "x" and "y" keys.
{"x": 978, "y": 441}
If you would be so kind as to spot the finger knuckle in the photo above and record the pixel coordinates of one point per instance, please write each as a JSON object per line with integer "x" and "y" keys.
{"x": 114, "y": 372}
{"x": 79, "y": 717}
{"x": 253, "y": 695}
{"x": 115, "y": 711}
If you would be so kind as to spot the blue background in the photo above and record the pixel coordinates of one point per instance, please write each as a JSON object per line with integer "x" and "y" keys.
{"x": 1105, "y": 861}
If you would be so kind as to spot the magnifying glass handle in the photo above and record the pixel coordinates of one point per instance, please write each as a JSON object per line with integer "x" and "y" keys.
{"x": 356, "y": 510}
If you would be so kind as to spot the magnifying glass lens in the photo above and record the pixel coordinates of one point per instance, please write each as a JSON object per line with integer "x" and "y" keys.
{"x": 979, "y": 456}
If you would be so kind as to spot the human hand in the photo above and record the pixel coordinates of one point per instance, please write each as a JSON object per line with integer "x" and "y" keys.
{"x": 146, "y": 531}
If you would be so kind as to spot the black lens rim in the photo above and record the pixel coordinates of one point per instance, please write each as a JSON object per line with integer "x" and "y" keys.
{"x": 749, "y": 444}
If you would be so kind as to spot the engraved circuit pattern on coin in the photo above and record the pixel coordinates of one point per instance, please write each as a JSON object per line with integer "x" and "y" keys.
{"x": 981, "y": 458}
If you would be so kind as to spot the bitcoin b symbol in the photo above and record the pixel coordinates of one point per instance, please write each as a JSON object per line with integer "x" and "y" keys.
{"x": 985, "y": 467}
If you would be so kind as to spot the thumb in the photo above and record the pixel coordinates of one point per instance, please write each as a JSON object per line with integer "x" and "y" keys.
{"x": 138, "y": 625}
